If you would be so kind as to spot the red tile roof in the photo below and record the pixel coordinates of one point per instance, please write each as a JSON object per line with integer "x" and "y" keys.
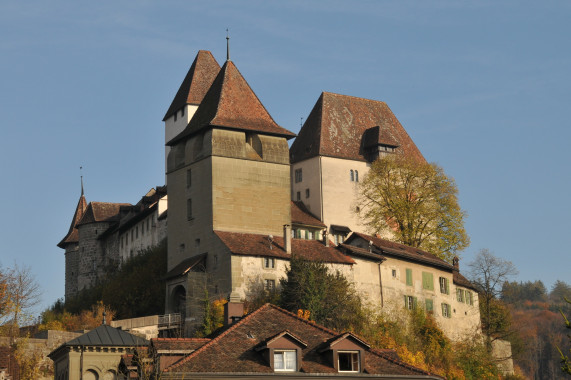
{"x": 259, "y": 245}
{"x": 101, "y": 212}
{"x": 390, "y": 248}
{"x": 73, "y": 235}
{"x": 301, "y": 215}
{"x": 234, "y": 350}
{"x": 231, "y": 103}
{"x": 177, "y": 344}
{"x": 336, "y": 128}
{"x": 196, "y": 83}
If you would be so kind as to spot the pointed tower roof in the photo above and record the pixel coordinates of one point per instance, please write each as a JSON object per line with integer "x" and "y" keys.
{"x": 73, "y": 235}
{"x": 196, "y": 83}
{"x": 337, "y": 127}
{"x": 101, "y": 212}
{"x": 231, "y": 103}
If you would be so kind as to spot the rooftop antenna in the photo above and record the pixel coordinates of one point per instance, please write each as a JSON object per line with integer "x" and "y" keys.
{"x": 81, "y": 176}
{"x": 227, "y": 46}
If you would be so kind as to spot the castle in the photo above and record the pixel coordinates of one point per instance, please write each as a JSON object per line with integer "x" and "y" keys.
{"x": 241, "y": 203}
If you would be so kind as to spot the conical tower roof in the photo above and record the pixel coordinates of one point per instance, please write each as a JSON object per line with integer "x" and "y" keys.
{"x": 231, "y": 103}
{"x": 196, "y": 83}
{"x": 73, "y": 235}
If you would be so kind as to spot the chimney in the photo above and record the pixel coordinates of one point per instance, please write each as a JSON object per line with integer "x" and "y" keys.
{"x": 233, "y": 309}
{"x": 325, "y": 238}
{"x": 456, "y": 263}
{"x": 287, "y": 238}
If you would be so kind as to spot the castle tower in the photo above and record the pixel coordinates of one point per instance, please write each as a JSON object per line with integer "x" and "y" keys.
{"x": 70, "y": 243}
{"x": 228, "y": 170}
{"x": 340, "y": 139}
{"x": 188, "y": 97}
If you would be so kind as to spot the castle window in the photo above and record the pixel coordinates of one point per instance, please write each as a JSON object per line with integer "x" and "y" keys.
{"x": 269, "y": 285}
{"x": 356, "y": 176}
{"x": 188, "y": 178}
{"x": 298, "y": 197}
{"x": 285, "y": 360}
{"x": 394, "y": 272}
{"x": 429, "y": 306}
{"x": 410, "y": 302}
{"x": 352, "y": 175}
{"x": 298, "y": 175}
{"x": 348, "y": 361}
{"x": 269, "y": 262}
{"x": 175, "y": 115}
{"x": 444, "y": 285}
{"x": 469, "y": 299}
{"x": 460, "y": 295}
{"x": 197, "y": 243}
{"x": 188, "y": 209}
{"x": 137, "y": 232}
{"x": 309, "y": 235}
{"x": 307, "y": 193}
{"x": 446, "y": 311}
{"x": 182, "y": 112}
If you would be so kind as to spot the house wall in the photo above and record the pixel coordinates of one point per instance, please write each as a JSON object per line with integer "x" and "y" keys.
{"x": 92, "y": 255}
{"x": 96, "y": 362}
{"x": 173, "y": 128}
{"x": 146, "y": 233}
{"x": 71, "y": 270}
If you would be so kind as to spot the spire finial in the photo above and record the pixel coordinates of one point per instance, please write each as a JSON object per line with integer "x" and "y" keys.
{"x": 227, "y": 45}
{"x": 81, "y": 175}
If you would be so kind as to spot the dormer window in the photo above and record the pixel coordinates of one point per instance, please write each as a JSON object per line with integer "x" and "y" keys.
{"x": 285, "y": 360}
{"x": 348, "y": 361}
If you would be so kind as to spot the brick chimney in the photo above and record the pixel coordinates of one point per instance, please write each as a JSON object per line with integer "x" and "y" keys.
{"x": 287, "y": 238}
{"x": 233, "y": 309}
{"x": 456, "y": 263}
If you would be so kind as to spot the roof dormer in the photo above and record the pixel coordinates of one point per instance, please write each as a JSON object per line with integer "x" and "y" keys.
{"x": 346, "y": 352}
{"x": 283, "y": 352}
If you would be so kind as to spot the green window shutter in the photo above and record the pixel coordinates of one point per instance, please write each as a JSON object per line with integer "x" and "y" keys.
{"x": 427, "y": 281}
{"x": 447, "y": 286}
{"x": 429, "y": 305}
{"x": 405, "y": 302}
{"x": 306, "y": 234}
{"x": 414, "y": 303}
{"x": 409, "y": 276}
{"x": 443, "y": 309}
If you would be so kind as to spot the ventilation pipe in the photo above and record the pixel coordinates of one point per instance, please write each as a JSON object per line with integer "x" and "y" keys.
{"x": 287, "y": 238}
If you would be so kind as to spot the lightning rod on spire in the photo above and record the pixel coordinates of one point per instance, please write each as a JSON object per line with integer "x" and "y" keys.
{"x": 227, "y": 45}
{"x": 81, "y": 176}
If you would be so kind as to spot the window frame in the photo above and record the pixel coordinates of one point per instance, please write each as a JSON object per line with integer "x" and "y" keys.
{"x": 444, "y": 285}
{"x": 269, "y": 262}
{"x": 446, "y": 310}
{"x": 298, "y": 175}
{"x": 284, "y": 361}
{"x": 352, "y": 361}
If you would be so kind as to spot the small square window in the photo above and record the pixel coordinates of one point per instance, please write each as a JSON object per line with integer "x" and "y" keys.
{"x": 307, "y": 193}
{"x": 348, "y": 361}
{"x": 298, "y": 175}
{"x": 197, "y": 243}
{"x": 182, "y": 111}
{"x": 270, "y": 285}
{"x": 188, "y": 178}
{"x": 298, "y": 197}
{"x": 285, "y": 360}
{"x": 189, "y": 209}
{"x": 269, "y": 262}
{"x": 175, "y": 116}
{"x": 394, "y": 273}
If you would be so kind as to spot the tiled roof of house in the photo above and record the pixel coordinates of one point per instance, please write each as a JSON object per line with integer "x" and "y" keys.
{"x": 73, "y": 235}
{"x": 178, "y": 344}
{"x": 458, "y": 279}
{"x": 231, "y": 103}
{"x": 101, "y": 212}
{"x": 259, "y": 245}
{"x": 234, "y": 350}
{"x": 390, "y": 248}
{"x": 336, "y": 128}
{"x": 301, "y": 215}
{"x": 196, "y": 83}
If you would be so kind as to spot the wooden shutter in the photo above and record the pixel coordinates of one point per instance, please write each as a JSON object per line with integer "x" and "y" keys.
{"x": 409, "y": 276}
{"x": 427, "y": 281}
{"x": 429, "y": 305}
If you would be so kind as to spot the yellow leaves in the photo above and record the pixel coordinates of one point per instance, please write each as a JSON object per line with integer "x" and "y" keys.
{"x": 303, "y": 314}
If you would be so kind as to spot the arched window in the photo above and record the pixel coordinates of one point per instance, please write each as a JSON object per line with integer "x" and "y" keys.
{"x": 352, "y": 176}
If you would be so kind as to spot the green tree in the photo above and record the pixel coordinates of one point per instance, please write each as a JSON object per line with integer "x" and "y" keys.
{"x": 565, "y": 361}
{"x": 415, "y": 202}
{"x": 330, "y": 299}
{"x": 488, "y": 273}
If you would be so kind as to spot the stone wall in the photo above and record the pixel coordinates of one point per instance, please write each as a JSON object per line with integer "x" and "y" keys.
{"x": 71, "y": 270}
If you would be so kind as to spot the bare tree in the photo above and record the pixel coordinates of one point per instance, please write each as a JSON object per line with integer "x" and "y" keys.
{"x": 488, "y": 273}
{"x": 23, "y": 294}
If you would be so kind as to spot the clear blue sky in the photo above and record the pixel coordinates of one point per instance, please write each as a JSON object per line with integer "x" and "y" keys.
{"x": 483, "y": 88}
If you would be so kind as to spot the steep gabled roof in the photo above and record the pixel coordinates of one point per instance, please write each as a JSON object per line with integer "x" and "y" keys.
{"x": 73, "y": 235}
{"x": 101, "y": 212}
{"x": 301, "y": 215}
{"x": 196, "y": 83}
{"x": 234, "y": 350}
{"x": 231, "y": 103}
{"x": 259, "y": 245}
{"x": 336, "y": 128}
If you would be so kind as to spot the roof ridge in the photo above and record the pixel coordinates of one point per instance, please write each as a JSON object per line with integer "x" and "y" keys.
{"x": 380, "y": 354}
{"x": 354, "y": 97}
